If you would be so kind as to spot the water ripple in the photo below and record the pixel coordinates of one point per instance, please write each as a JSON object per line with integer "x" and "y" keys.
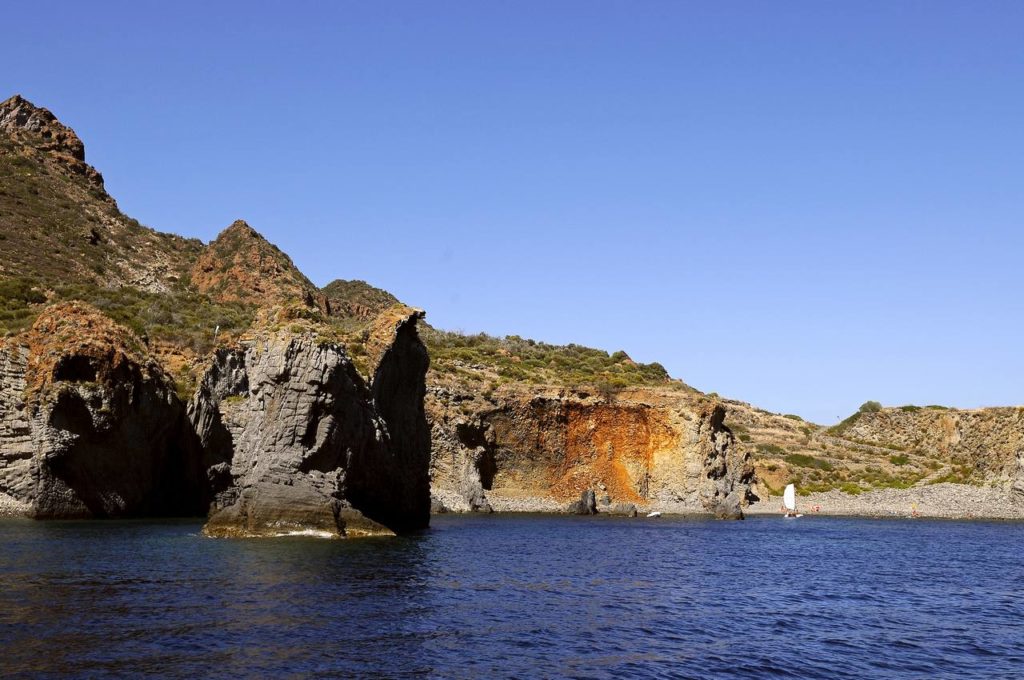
{"x": 518, "y": 597}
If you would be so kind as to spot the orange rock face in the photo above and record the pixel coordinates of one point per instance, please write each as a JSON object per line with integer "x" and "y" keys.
{"x": 614, "y": 446}
{"x": 540, "y": 448}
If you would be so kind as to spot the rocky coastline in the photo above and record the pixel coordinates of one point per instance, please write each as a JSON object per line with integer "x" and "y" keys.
{"x": 144, "y": 374}
{"x": 945, "y": 501}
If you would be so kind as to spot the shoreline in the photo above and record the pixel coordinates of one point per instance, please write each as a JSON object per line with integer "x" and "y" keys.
{"x": 933, "y": 501}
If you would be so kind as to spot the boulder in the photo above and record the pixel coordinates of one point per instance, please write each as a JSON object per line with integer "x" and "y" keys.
{"x": 730, "y": 507}
{"x": 622, "y": 509}
{"x": 586, "y": 505}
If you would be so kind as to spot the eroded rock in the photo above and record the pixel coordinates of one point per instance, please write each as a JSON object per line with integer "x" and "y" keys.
{"x": 91, "y": 426}
{"x": 296, "y": 441}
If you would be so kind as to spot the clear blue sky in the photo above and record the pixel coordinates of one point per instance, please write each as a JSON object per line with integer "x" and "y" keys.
{"x": 804, "y": 205}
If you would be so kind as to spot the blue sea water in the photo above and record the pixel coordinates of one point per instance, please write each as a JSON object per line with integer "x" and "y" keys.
{"x": 518, "y": 596}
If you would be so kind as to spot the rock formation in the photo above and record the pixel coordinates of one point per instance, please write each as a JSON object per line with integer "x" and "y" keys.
{"x": 242, "y": 266}
{"x": 528, "y": 448}
{"x": 296, "y": 441}
{"x": 90, "y": 426}
{"x": 35, "y": 127}
{"x": 307, "y": 409}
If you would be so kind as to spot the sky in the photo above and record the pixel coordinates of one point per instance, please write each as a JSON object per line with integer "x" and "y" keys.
{"x": 803, "y": 205}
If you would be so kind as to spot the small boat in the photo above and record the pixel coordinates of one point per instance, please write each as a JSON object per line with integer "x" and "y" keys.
{"x": 789, "y": 500}
{"x": 654, "y": 514}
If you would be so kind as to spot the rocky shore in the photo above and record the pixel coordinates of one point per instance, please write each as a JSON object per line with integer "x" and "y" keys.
{"x": 948, "y": 501}
{"x": 945, "y": 501}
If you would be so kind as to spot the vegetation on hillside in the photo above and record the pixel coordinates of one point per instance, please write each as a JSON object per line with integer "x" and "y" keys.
{"x": 517, "y": 359}
{"x": 56, "y": 227}
{"x": 181, "y": 317}
{"x": 357, "y": 298}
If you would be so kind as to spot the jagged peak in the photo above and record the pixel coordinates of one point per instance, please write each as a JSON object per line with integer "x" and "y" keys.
{"x": 241, "y": 265}
{"x": 27, "y": 123}
{"x": 240, "y": 228}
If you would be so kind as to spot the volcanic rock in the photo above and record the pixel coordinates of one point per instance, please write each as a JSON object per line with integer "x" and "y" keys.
{"x": 90, "y": 426}
{"x": 297, "y": 441}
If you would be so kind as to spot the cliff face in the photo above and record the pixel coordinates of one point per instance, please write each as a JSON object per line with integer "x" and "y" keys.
{"x": 90, "y": 426}
{"x": 295, "y": 440}
{"x": 539, "y": 449}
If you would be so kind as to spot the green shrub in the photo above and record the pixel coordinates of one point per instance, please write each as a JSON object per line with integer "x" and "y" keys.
{"x": 901, "y": 459}
{"x": 870, "y": 407}
{"x": 527, "y": 360}
{"x": 771, "y": 449}
{"x": 851, "y": 488}
{"x": 19, "y": 292}
{"x": 910, "y": 408}
{"x": 806, "y": 461}
{"x": 838, "y": 430}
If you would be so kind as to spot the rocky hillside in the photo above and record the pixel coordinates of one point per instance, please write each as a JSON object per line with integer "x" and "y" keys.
{"x": 879, "y": 448}
{"x": 357, "y": 299}
{"x": 524, "y": 425}
{"x": 243, "y": 267}
{"x": 60, "y": 227}
{"x": 307, "y": 406}
{"x": 146, "y": 374}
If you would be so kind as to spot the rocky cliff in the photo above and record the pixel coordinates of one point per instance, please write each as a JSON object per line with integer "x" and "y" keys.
{"x": 110, "y": 327}
{"x": 529, "y": 448}
{"x": 296, "y": 441}
{"x": 90, "y": 426}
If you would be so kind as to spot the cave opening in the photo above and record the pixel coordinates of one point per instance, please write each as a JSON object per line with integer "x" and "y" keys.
{"x": 75, "y": 369}
{"x": 487, "y": 467}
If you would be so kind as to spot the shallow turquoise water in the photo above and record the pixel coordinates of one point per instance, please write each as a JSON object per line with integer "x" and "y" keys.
{"x": 518, "y": 596}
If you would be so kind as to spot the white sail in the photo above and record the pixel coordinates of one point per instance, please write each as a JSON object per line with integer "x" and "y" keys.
{"x": 789, "y": 497}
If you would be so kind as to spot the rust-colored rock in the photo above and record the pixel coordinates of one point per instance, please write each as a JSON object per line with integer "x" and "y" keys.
{"x": 535, "y": 448}
{"x": 242, "y": 266}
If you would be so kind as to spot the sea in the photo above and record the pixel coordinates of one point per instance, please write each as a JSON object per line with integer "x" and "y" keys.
{"x": 518, "y": 596}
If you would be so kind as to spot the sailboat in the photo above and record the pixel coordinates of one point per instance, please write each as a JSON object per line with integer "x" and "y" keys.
{"x": 789, "y": 500}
